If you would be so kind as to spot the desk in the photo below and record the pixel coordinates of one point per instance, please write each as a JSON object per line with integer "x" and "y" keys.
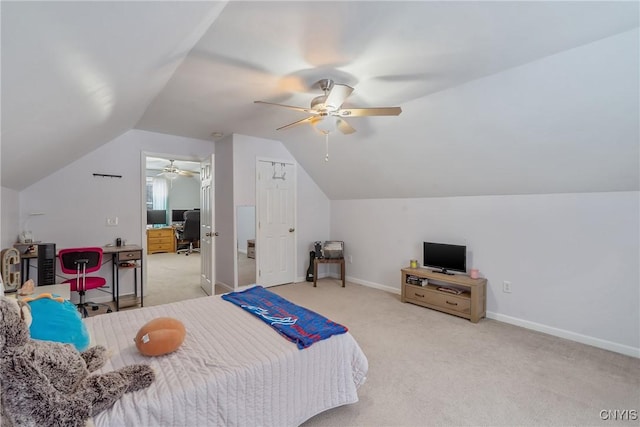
{"x": 24, "y": 265}
{"x": 45, "y": 253}
{"x": 119, "y": 255}
{"x": 317, "y": 261}
{"x": 125, "y": 258}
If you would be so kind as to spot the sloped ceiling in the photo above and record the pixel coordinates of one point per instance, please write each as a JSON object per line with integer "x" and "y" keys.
{"x": 497, "y": 97}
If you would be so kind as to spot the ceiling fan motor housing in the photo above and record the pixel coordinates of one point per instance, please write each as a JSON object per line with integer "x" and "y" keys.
{"x": 317, "y": 103}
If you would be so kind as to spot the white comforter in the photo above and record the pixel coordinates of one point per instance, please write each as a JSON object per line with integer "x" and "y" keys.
{"x": 231, "y": 370}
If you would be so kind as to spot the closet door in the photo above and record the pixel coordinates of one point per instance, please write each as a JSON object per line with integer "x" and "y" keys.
{"x": 276, "y": 237}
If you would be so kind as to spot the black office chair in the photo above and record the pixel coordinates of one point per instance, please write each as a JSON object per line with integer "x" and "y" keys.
{"x": 190, "y": 232}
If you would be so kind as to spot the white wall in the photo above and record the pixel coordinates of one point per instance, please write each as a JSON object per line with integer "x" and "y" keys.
{"x": 225, "y": 213}
{"x": 10, "y": 212}
{"x": 573, "y": 259}
{"x": 76, "y": 204}
{"x": 184, "y": 193}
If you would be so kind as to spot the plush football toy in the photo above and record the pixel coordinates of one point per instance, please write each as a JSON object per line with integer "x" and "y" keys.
{"x": 160, "y": 336}
{"x": 45, "y": 383}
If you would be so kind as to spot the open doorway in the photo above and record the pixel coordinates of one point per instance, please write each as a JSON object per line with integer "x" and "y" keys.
{"x": 173, "y": 263}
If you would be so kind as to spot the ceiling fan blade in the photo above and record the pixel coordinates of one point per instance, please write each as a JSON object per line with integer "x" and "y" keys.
{"x": 299, "y": 122}
{"x": 337, "y": 95}
{"x": 304, "y": 110}
{"x": 361, "y": 112}
{"x": 185, "y": 173}
{"x": 344, "y": 127}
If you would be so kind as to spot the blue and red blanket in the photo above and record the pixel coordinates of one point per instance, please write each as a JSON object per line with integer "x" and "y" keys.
{"x": 297, "y": 324}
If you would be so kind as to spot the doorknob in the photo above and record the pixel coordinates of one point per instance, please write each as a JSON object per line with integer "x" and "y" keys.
{"x": 291, "y": 230}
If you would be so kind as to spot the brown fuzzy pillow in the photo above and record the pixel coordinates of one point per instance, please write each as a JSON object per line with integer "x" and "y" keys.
{"x": 160, "y": 336}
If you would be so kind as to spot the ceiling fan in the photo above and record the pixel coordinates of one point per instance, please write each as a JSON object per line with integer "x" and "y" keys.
{"x": 326, "y": 110}
{"x": 172, "y": 172}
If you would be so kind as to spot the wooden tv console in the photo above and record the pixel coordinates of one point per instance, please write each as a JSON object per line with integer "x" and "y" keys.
{"x": 470, "y": 304}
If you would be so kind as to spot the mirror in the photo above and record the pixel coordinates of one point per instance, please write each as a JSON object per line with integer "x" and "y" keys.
{"x": 246, "y": 238}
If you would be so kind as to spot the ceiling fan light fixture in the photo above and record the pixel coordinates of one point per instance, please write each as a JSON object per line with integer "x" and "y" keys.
{"x": 170, "y": 175}
{"x": 326, "y": 124}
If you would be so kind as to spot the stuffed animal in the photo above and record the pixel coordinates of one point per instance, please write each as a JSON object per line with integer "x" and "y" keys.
{"x": 46, "y": 383}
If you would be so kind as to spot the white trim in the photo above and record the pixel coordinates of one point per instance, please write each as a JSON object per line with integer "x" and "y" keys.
{"x": 224, "y": 285}
{"x": 561, "y": 333}
{"x": 361, "y": 282}
{"x": 374, "y": 285}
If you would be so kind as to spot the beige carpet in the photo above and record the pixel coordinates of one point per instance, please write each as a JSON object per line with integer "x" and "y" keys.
{"x": 428, "y": 368}
{"x": 172, "y": 277}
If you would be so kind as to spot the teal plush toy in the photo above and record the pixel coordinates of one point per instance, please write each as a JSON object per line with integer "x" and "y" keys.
{"x": 56, "y": 319}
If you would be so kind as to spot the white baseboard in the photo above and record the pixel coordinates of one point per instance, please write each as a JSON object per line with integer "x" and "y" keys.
{"x": 573, "y": 336}
{"x": 561, "y": 333}
{"x": 359, "y": 282}
{"x": 373, "y": 285}
{"x": 226, "y": 286}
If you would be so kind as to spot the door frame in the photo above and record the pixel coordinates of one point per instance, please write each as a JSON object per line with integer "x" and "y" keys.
{"x": 212, "y": 226}
{"x": 295, "y": 213}
{"x": 143, "y": 200}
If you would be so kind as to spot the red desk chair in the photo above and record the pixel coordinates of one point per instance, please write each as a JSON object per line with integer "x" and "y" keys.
{"x": 80, "y": 261}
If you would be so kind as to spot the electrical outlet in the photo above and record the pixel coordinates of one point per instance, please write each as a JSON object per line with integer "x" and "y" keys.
{"x": 350, "y": 259}
{"x": 112, "y": 222}
{"x": 506, "y": 286}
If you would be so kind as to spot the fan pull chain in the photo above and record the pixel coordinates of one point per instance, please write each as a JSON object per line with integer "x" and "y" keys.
{"x": 326, "y": 142}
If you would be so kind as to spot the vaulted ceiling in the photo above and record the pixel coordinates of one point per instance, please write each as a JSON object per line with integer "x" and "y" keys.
{"x": 497, "y": 97}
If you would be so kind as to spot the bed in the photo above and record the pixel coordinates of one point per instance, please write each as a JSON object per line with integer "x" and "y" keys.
{"x": 232, "y": 370}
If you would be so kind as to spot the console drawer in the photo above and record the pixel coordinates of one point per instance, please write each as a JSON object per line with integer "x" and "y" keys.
{"x": 129, "y": 255}
{"x": 439, "y": 299}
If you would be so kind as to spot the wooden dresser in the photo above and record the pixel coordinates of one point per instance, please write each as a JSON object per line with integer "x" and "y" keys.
{"x": 161, "y": 240}
{"x": 471, "y": 303}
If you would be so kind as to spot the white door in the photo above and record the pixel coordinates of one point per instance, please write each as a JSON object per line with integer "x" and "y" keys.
{"x": 276, "y": 238}
{"x": 207, "y": 224}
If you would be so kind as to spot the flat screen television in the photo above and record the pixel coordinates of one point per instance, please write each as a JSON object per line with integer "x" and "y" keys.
{"x": 156, "y": 217}
{"x": 445, "y": 257}
{"x": 177, "y": 215}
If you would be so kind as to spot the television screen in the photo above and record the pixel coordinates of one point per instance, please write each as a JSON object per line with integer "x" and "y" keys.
{"x": 445, "y": 257}
{"x": 177, "y": 215}
{"x": 156, "y": 217}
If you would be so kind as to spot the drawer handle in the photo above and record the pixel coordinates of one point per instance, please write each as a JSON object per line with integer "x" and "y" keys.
{"x": 418, "y": 295}
{"x": 129, "y": 255}
{"x": 452, "y": 303}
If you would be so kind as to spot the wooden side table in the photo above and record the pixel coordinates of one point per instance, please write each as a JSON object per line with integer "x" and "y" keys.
{"x": 317, "y": 261}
